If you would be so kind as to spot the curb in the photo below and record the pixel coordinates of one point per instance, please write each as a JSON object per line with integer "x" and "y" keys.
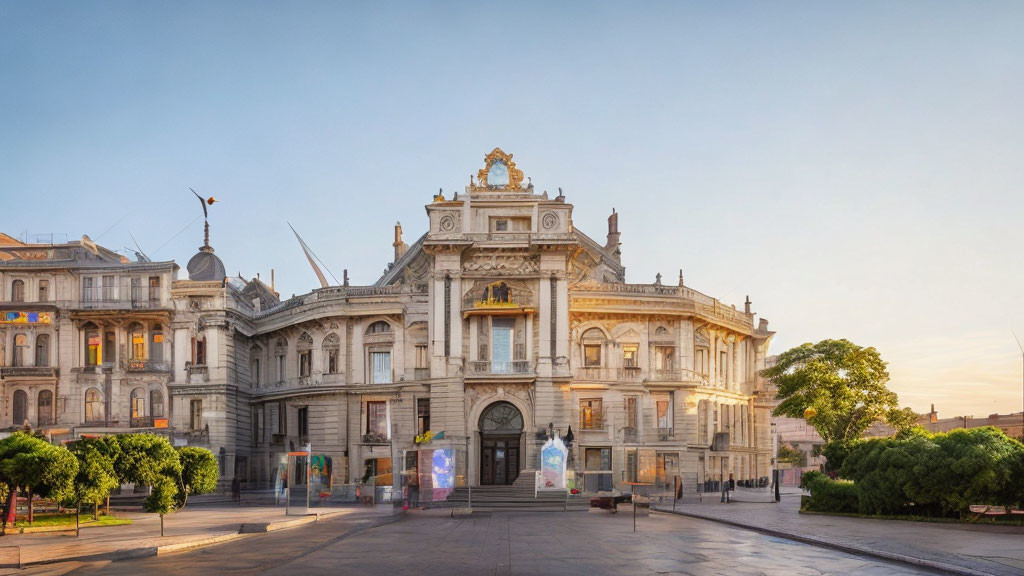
{"x": 148, "y": 551}
{"x": 857, "y": 550}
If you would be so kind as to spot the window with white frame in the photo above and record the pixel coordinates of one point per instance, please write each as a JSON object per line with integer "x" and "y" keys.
{"x": 380, "y": 364}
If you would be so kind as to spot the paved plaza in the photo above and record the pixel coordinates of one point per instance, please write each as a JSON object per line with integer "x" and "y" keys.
{"x": 586, "y": 543}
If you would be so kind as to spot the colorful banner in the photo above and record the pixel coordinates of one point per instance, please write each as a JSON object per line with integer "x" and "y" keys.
{"x": 443, "y": 470}
{"x": 26, "y": 318}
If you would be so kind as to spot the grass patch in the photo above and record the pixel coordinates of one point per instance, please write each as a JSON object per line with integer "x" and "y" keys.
{"x": 68, "y": 521}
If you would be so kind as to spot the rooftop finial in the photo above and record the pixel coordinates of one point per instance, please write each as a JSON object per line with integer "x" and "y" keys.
{"x": 206, "y": 222}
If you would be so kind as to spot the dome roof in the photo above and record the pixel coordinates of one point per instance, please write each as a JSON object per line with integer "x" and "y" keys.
{"x": 205, "y": 266}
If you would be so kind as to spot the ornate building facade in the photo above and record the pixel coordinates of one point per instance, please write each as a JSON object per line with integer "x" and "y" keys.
{"x": 502, "y": 324}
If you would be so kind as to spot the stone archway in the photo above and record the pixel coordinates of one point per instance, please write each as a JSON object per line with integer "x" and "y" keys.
{"x": 501, "y": 431}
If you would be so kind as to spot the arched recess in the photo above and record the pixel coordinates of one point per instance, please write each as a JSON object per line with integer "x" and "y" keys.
{"x": 501, "y": 427}
{"x": 20, "y": 408}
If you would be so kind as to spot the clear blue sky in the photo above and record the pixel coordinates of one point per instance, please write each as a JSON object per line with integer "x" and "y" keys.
{"x": 857, "y": 169}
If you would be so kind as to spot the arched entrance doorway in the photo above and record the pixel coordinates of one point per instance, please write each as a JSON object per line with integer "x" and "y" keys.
{"x": 501, "y": 431}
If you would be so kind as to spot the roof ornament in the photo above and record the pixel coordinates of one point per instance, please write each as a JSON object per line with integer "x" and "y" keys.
{"x": 206, "y": 222}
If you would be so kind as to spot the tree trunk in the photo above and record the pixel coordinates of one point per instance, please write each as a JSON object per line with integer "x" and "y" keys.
{"x": 108, "y": 505}
{"x": 31, "y": 517}
{"x": 161, "y": 525}
{"x": 78, "y": 514}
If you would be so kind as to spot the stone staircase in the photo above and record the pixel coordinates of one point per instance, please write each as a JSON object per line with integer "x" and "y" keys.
{"x": 516, "y": 497}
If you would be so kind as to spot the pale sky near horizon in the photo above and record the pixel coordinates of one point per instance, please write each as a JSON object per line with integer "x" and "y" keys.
{"x": 855, "y": 168}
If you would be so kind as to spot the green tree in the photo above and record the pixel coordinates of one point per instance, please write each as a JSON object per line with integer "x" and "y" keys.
{"x": 36, "y": 466}
{"x": 150, "y": 460}
{"x": 96, "y": 476}
{"x": 843, "y": 383}
{"x": 199, "y": 473}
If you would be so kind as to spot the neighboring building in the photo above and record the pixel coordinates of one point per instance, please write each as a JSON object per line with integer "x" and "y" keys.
{"x": 501, "y": 323}
{"x": 82, "y": 338}
{"x": 1011, "y": 424}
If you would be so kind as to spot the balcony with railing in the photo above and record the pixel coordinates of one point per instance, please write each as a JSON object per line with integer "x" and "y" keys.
{"x": 28, "y": 372}
{"x": 487, "y": 369}
{"x": 678, "y": 375}
{"x": 196, "y": 373}
{"x": 107, "y": 298}
{"x": 374, "y": 438}
{"x": 606, "y": 374}
{"x": 141, "y": 422}
{"x": 142, "y": 365}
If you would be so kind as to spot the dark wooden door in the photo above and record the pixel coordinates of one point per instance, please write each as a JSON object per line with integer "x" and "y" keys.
{"x": 499, "y": 460}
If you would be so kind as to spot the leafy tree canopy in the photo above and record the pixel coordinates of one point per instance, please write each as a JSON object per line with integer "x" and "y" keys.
{"x": 150, "y": 460}
{"x": 27, "y": 461}
{"x": 843, "y": 383}
{"x": 199, "y": 472}
{"x": 96, "y": 477}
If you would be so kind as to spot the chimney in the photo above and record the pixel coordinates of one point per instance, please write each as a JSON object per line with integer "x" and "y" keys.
{"x": 746, "y": 305}
{"x": 933, "y": 416}
{"x": 344, "y": 276}
{"x": 762, "y": 325}
{"x": 272, "y": 281}
{"x": 400, "y": 246}
{"x": 612, "y": 246}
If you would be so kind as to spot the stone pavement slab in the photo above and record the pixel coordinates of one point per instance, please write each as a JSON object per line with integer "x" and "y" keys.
{"x": 192, "y": 527}
{"x": 951, "y": 547}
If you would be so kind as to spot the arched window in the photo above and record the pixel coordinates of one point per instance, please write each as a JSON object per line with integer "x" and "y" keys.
{"x": 18, "y": 291}
{"x": 332, "y": 352}
{"x": 92, "y": 344}
{"x": 138, "y": 403}
{"x": 20, "y": 407}
{"x": 20, "y": 349}
{"x": 305, "y": 349}
{"x": 156, "y": 343}
{"x": 156, "y": 403}
{"x": 593, "y": 342}
{"x": 378, "y": 327}
{"x": 43, "y": 350}
{"x": 137, "y": 336}
{"x": 44, "y": 409}
{"x": 93, "y": 406}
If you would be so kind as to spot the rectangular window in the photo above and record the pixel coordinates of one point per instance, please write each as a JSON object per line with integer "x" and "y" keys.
{"x": 154, "y": 288}
{"x": 88, "y": 293}
{"x": 591, "y": 355}
{"x": 590, "y": 414}
{"x": 138, "y": 346}
{"x": 422, "y": 415}
{"x": 136, "y": 289}
{"x": 109, "y": 347}
{"x": 662, "y": 408}
{"x": 629, "y": 356}
{"x": 631, "y": 412}
{"x": 597, "y": 470}
{"x": 377, "y": 418}
{"x": 303, "y": 422}
{"x": 722, "y": 367}
{"x": 44, "y": 290}
{"x": 138, "y": 406}
{"x": 255, "y": 372}
{"x": 422, "y": 359}
{"x": 700, "y": 363}
{"x": 280, "y": 368}
{"x": 199, "y": 351}
{"x": 282, "y": 418}
{"x": 305, "y": 362}
{"x": 108, "y": 288}
{"x": 257, "y": 426}
{"x": 156, "y": 403}
{"x": 664, "y": 357}
{"x": 92, "y": 338}
{"x": 501, "y": 345}
{"x": 381, "y": 364}
{"x": 196, "y": 415}
{"x": 501, "y": 225}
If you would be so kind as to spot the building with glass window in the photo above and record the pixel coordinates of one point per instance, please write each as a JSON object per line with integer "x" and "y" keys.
{"x": 501, "y": 325}
{"x": 82, "y": 339}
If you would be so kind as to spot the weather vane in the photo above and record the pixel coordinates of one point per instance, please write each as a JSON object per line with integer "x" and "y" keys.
{"x": 206, "y": 222}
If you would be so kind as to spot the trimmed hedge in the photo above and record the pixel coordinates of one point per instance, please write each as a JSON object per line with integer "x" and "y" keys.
{"x": 828, "y": 495}
{"x": 936, "y": 475}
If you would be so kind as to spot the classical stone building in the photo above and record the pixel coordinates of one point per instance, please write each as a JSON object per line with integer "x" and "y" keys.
{"x": 502, "y": 324}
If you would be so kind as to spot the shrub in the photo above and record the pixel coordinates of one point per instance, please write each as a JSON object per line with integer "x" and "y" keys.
{"x": 829, "y": 495}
